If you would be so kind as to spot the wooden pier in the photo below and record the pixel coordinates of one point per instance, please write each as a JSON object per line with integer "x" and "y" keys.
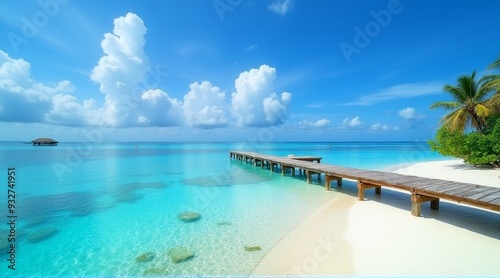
{"x": 421, "y": 189}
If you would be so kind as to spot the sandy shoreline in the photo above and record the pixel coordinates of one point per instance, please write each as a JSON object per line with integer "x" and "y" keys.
{"x": 454, "y": 170}
{"x": 379, "y": 237}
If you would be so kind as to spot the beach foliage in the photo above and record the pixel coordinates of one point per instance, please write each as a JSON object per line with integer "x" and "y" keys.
{"x": 474, "y": 148}
{"x": 476, "y": 105}
{"x": 492, "y": 81}
{"x": 468, "y": 106}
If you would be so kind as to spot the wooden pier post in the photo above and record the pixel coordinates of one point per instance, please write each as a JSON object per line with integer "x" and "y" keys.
{"x": 435, "y": 204}
{"x": 271, "y": 166}
{"x": 329, "y": 179}
{"x": 284, "y": 168}
{"x": 417, "y": 200}
{"x": 361, "y": 191}
{"x": 471, "y": 194}
{"x": 363, "y": 186}
{"x": 309, "y": 175}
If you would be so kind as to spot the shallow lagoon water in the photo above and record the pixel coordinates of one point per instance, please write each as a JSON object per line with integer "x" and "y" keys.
{"x": 91, "y": 210}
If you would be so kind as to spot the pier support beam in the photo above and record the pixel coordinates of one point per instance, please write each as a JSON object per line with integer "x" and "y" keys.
{"x": 417, "y": 200}
{"x": 363, "y": 186}
{"x": 329, "y": 179}
{"x": 285, "y": 168}
{"x": 271, "y": 166}
{"x": 309, "y": 174}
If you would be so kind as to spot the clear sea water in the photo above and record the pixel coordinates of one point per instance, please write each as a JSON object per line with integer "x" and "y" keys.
{"x": 91, "y": 209}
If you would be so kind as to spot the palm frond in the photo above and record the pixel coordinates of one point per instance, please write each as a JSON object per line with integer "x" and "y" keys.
{"x": 457, "y": 93}
{"x": 489, "y": 78}
{"x": 468, "y": 84}
{"x": 494, "y": 102}
{"x": 482, "y": 94}
{"x": 495, "y": 65}
{"x": 456, "y": 120}
{"x": 482, "y": 111}
{"x": 448, "y": 105}
{"x": 491, "y": 83}
{"x": 493, "y": 86}
{"x": 470, "y": 106}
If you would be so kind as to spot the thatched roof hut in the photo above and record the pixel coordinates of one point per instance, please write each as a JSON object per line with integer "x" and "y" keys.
{"x": 44, "y": 142}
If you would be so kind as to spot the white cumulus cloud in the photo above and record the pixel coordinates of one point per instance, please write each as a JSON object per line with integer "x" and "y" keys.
{"x": 122, "y": 67}
{"x": 68, "y": 110}
{"x": 318, "y": 124}
{"x": 407, "y": 113}
{"x": 411, "y": 117}
{"x": 255, "y": 103}
{"x": 384, "y": 127}
{"x": 354, "y": 122}
{"x": 204, "y": 106}
{"x": 158, "y": 109}
{"x": 120, "y": 73}
{"x": 322, "y": 123}
{"x": 24, "y": 99}
{"x": 127, "y": 102}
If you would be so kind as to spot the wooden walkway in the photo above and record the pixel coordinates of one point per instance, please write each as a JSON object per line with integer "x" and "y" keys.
{"x": 421, "y": 189}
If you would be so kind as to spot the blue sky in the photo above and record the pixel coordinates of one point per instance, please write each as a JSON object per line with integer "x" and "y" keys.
{"x": 235, "y": 70}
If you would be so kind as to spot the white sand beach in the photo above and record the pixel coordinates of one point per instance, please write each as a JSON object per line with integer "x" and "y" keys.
{"x": 379, "y": 237}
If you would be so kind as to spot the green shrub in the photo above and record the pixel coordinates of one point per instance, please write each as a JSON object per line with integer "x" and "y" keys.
{"x": 474, "y": 148}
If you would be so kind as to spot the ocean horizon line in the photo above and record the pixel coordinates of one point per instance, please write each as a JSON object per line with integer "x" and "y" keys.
{"x": 223, "y": 142}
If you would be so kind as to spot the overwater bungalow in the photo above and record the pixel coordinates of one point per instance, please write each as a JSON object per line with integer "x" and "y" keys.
{"x": 44, "y": 142}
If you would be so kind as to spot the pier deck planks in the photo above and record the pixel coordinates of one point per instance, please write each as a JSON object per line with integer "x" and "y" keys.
{"x": 422, "y": 189}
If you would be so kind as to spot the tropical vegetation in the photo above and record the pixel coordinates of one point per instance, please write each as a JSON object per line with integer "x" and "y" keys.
{"x": 492, "y": 81}
{"x": 471, "y": 130}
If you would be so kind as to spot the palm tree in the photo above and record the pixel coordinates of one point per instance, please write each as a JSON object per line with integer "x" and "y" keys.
{"x": 493, "y": 82}
{"x": 468, "y": 104}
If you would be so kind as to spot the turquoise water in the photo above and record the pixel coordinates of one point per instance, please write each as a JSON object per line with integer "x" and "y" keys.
{"x": 91, "y": 209}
